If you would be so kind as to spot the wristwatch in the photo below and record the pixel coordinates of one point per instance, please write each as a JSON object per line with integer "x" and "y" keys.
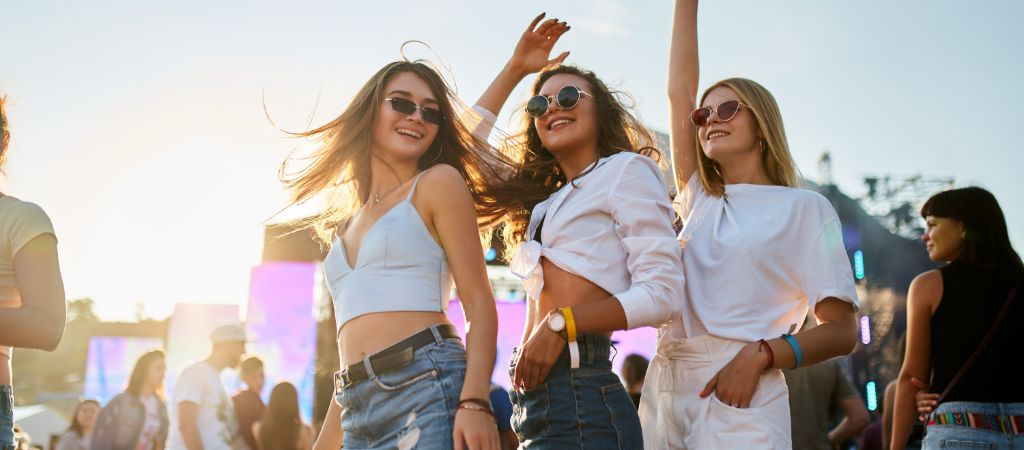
{"x": 556, "y": 322}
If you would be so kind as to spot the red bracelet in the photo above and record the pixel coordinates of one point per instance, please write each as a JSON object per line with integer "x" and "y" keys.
{"x": 771, "y": 354}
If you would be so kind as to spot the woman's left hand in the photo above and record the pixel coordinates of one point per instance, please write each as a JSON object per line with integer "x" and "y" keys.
{"x": 475, "y": 430}
{"x": 737, "y": 382}
{"x": 536, "y": 357}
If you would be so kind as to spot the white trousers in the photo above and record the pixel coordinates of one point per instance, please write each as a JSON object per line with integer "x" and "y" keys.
{"x": 674, "y": 416}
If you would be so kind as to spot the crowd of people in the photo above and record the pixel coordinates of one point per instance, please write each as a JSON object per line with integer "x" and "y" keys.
{"x": 413, "y": 180}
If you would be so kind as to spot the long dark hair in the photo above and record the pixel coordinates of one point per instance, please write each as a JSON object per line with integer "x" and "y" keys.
{"x": 986, "y": 239}
{"x": 141, "y": 371}
{"x": 75, "y": 426}
{"x": 538, "y": 174}
{"x": 280, "y": 425}
{"x": 340, "y": 167}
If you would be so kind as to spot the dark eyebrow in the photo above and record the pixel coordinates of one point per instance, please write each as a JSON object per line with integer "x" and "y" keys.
{"x": 409, "y": 94}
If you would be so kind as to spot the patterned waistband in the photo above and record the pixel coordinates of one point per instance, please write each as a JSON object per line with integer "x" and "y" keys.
{"x": 1000, "y": 424}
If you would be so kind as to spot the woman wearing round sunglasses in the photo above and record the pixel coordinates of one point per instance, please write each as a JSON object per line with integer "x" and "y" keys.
{"x": 406, "y": 183}
{"x": 593, "y": 239}
{"x": 758, "y": 254}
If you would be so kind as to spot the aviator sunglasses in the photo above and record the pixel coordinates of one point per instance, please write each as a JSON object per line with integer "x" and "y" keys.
{"x": 567, "y": 98}
{"x": 726, "y": 111}
{"x": 408, "y": 107}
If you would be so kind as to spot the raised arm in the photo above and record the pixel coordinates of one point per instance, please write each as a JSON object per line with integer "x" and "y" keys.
{"x": 532, "y": 54}
{"x": 683, "y": 74}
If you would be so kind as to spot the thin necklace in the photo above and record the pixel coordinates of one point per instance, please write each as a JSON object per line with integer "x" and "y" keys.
{"x": 378, "y": 195}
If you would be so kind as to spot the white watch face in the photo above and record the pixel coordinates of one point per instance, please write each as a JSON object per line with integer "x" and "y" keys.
{"x": 556, "y": 322}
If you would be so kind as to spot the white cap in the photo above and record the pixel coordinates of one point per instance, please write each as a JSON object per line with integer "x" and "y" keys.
{"x": 228, "y": 333}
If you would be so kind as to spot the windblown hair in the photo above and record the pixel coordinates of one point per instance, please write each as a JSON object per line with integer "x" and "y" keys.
{"x": 986, "y": 239}
{"x": 281, "y": 424}
{"x": 777, "y": 161}
{"x": 5, "y": 132}
{"x": 340, "y": 167}
{"x": 538, "y": 175}
{"x": 141, "y": 371}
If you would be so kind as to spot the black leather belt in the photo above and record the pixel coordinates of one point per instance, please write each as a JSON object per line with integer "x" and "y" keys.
{"x": 393, "y": 357}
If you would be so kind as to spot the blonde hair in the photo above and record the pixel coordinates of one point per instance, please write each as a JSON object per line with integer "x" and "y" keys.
{"x": 5, "y": 133}
{"x": 776, "y": 159}
{"x": 340, "y": 167}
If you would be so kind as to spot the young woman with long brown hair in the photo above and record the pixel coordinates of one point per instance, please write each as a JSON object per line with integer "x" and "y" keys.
{"x": 591, "y": 229}
{"x": 32, "y": 310}
{"x": 136, "y": 419}
{"x": 758, "y": 253}
{"x": 407, "y": 186}
{"x": 281, "y": 427}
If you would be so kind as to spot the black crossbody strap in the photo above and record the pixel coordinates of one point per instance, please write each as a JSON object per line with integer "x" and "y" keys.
{"x": 981, "y": 347}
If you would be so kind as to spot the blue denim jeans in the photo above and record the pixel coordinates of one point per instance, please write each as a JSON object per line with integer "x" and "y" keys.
{"x": 956, "y": 436}
{"x": 584, "y": 408}
{"x": 6, "y": 417}
{"x": 412, "y": 407}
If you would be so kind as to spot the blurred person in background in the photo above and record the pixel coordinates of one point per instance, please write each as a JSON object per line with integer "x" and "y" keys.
{"x": 32, "y": 312}
{"x": 203, "y": 416}
{"x": 78, "y": 434}
{"x": 281, "y": 427}
{"x": 634, "y": 371}
{"x": 963, "y": 329}
{"x": 136, "y": 419}
{"x": 248, "y": 404}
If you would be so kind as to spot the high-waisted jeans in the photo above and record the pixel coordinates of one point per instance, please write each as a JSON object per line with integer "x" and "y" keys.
{"x": 584, "y": 408}
{"x": 959, "y": 436}
{"x": 412, "y": 407}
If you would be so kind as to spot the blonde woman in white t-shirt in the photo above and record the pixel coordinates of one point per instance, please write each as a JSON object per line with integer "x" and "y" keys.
{"x": 32, "y": 311}
{"x": 758, "y": 253}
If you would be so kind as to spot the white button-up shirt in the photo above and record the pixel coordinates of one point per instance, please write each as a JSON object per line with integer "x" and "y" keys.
{"x": 613, "y": 227}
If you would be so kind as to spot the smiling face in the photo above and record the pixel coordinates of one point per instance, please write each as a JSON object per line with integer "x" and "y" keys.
{"x": 944, "y": 238}
{"x": 564, "y": 131}
{"x": 726, "y": 140}
{"x": 404, "y": 137}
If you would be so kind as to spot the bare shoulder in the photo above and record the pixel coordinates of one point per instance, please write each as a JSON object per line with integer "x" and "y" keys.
{"x": 926, "y": 289}
{"x": 441, "y": 182}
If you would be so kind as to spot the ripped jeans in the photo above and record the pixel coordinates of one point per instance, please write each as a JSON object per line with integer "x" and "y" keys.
{"x": 412, "y": 407}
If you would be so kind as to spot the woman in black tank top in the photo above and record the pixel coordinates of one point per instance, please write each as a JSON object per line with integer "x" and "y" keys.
{"x": 963, "y": 328}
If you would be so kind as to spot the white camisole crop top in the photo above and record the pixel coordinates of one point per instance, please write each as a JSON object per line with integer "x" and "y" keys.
{"x": 400, "y": 267}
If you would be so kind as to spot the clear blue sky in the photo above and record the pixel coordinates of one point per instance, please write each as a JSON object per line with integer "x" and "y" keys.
{"x": 139, "y": 125}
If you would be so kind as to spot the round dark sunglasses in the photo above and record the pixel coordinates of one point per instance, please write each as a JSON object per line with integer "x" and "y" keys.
{"x": 567, "y": 98}
{"x": 408, "y": 107}
{"x": 726, "y": 111}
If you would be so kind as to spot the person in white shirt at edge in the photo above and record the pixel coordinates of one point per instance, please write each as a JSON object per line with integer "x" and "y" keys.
{"x": 203, "y": 416}
{"x": 407, "y": 183}
{"x": 593, "y": 240}
{"x": 757, "y": 253}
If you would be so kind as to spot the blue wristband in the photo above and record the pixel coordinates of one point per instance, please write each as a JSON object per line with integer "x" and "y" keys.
{"x": 796, "y": 349}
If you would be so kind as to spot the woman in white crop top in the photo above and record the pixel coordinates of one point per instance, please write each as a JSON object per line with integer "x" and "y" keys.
{"x": 592, "y": 229}
{"x": 407, "y": 185}
{"x": 31, "y": 290}
{"x": 757, "y": 252}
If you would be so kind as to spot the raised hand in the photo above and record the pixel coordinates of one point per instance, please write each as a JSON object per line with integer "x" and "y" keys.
{"x": 533, "y": 52}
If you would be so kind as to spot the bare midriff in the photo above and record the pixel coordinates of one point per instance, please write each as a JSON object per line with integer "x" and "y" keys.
{"x": 9, "y": 298}
{"x": 371, "y": 333}
{"x": 561, "y": 289}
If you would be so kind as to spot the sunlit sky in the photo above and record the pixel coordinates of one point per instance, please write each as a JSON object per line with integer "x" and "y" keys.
{"x": 139, "y": 126}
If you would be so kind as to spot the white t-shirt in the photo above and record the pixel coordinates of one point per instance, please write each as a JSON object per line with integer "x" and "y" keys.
{"x": 150, "y": 425}
{"x": 200, "y": 383}
{"x": 756, "y": 262}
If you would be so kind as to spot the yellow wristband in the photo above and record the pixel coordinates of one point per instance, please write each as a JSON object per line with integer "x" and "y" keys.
{"x": 570, "y": 324}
